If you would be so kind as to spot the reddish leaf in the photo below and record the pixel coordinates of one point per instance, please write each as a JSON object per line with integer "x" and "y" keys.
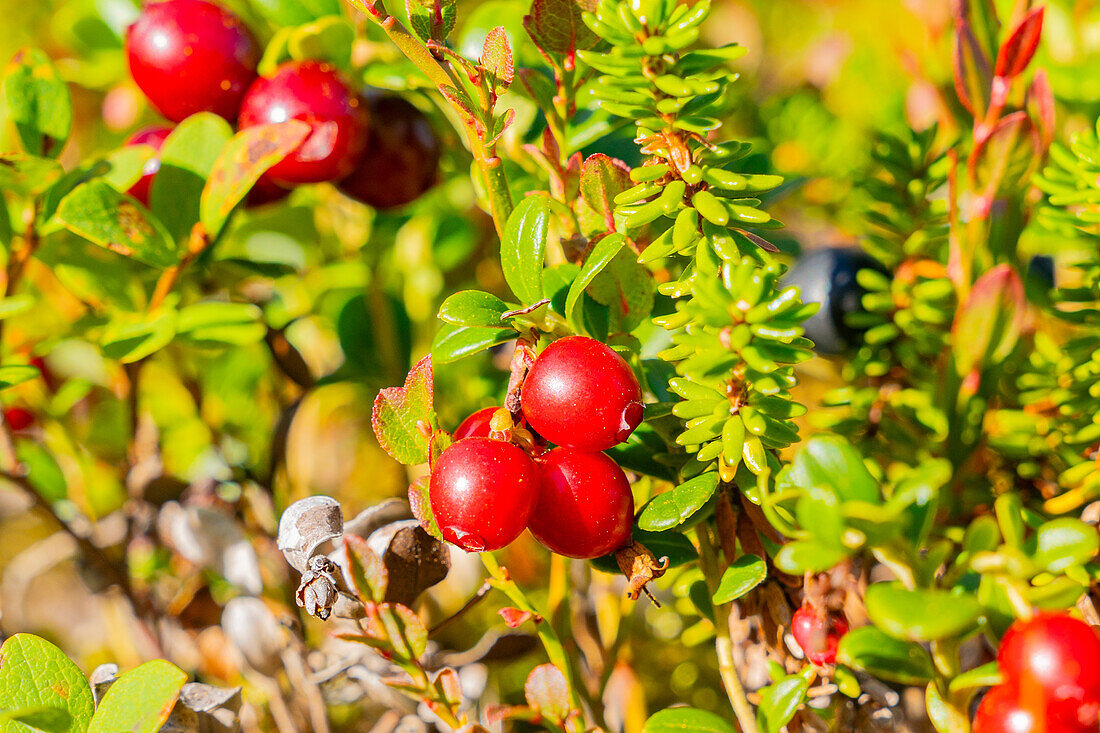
{"x": 1016, "y": 52}
{"x": 973, "y": 79}
{"x": 422, "y": 508}
{"x": 448, "y": 681}
{"x": 496, "y": 56}
{"x": 514, "y": 618}
{"x": 403, "y": 418}
{"x": 556, "y": 26}
{"x": 1040, "y": 102}
{"x": 988, "y": 325}
{"x": 1002, "y": 158}
{"x": 547, "y": 692}
{"x": 602, "y": 179}
{"x": 367, "y": 572}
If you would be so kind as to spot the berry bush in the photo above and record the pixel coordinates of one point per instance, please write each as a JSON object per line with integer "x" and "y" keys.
{"x": 444, "y": 365}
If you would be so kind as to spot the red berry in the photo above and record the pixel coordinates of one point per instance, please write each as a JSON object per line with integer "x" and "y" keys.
{"x": 313, "y": 92}
{"x": 476, "y": 425}
{"x": 402, "y": 158}
{"x": 1003, "y": 711}
{"x": 1055, "y": 661}
{"x": 585, "y": 508}
{"x": 818, "y": 634}
{"x": 482, "y": 492}
{"x": 18, "y": 418}
{"x": 191, "y": 56}
{"x": 154, "y": 137}
{"x": 581, "y": 394}
{"x": 266, "y": 192}
{"x": 51, "y": 380}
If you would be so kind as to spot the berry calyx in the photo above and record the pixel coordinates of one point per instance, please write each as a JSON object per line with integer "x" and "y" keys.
{"x": 585, "y": 508}
{"x": 153, "y": 137}
{"x": 401, "y": 161}
{"x": 482, "y": 492}
{"x": 313, "y": 92}
{"x": 818, "y": 634}
{"x": 1055, "y": 661}
{"x": 191, "y": 56}
{"x": 582, "y": 394}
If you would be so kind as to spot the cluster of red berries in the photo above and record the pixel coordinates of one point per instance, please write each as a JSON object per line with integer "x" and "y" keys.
{"x": 1051, "y": 670}
{"x": 580, "y": 396}
{"x": 818, "y": 633}
{"x": 191, "y": 56}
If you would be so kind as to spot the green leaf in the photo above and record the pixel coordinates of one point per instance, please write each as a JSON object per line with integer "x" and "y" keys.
{"x": 127, "y": 165}
{"x": 474, "y": 308}
{"x": 131, "y": 337}
{"x": 1062, "y": 543}
{"x": 602, "y": 179}
{"x": 221, "y": 323}
{"x": 626, "y": 288}
{"x": 296, "y": 12}
{"x": 602, "y": 254}
{"x": 327, "y": 39}
{"x": 547, "y": 691}
{"x": 455, "y": 342}
{"x": 672, "y": 508}
{"x": 556, "y": 26}
{"x": 808, "y": 556}
{"x": 743, "y": 574}
{"x": 38, "y": 718}
{"x": 988, "y": 325}
{"x": 779, "y": 702}
{"x": 986, "y": 675}
{"x": 38, "y": 102}
{"x": 140, "y": 700}
{"x": 28, "y": 175}
{"x": 921, "y": 615}
{"x": 368, "y": 574}
{"x": 830, "y": 461}
{"x": 117, "y": 222}
{"x": 871, "y": 651}
{"x": 944, "y": 716}
{"x": 241, "y": 163}
{"x": 405, "y": 629}
{"x": 432, "y": 20}
{"x": 36, "y": 674}
{"x": 687, "y": 720}
{"x": 186, "y": 159}
{"x": 523, "y": 248}
{"x": 14, "y": 374}
{"x": 403, "y": 417}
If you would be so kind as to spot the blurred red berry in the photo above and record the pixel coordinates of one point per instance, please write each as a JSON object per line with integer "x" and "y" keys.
{"x": 18, "y": 418}
{"x": 818, "y": 634}
{"x": 154, "y": 137}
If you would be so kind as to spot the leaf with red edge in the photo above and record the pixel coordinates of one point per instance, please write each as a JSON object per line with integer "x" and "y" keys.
{"x": 405, "y": 630}
{"x": 432, "y": 20}
{"x": 602, "y": 179}
{"x": 242, "y": 161}
{"x": 973, "y": 78}
{"x": 421, "y": 506}
{"x": 496, "y": 56}
{"x": 547, "y": 692}
{"x": 451, "y": 685}
{"x": 988, "y": 325}
{"x": 1040, "y": 104}
{"x": 367, "y": 571}
{"x": 1017, "y": 51}
{"x": 1004, "y": 157}
{"x": 403, "y": 417}
{"x": 556, "y": 26}
{"x": 514, "y": 617}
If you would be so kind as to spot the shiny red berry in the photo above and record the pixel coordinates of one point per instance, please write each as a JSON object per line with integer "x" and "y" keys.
{"x": 153, "y": 137}
{"x": 818, "y": 634}
{"x": 1055, "y": 660}
{"x": 402, "y": 157}
{"x": 585, "y": 507}
{"x": 18, "y": 418}
{"x": 482, "y": 492}
{"x": 581, "y": 394}
{"x": 313, "y": 92}
{"x": 476, "y": 425}
{"x": 191, "y": 56}
{"x": 1003, "y": 710}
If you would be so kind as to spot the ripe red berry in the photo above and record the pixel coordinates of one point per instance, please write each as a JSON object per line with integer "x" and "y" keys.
{"x": 482, "y": 492}
{"x": 402, "y": 157}
{"x": 1003, "y": 711}
{"x": 581, "y": 394}
{"x": 818, "y": 634}
{"x": 585, "y": 508}
{"x": 154, "y": 137}
{"x": 476, "y": 425}
{"x": 191, "y": 56}
{"x": 313, "y": 92}
{"x": 18, "y": 418}
{"x": 1055, "y": 661}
